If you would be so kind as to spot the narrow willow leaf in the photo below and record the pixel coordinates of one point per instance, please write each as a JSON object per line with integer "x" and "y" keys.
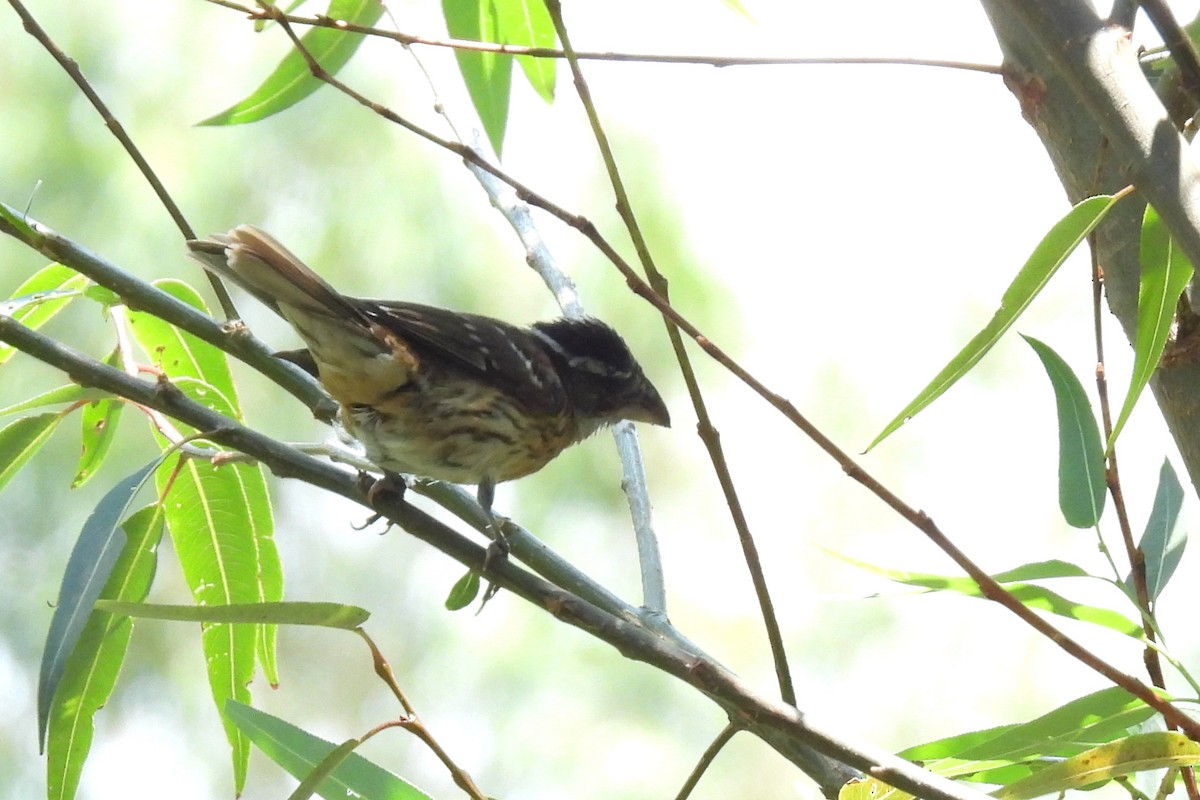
{"x": 180, "y": 354}
{"x": 1081, "y": 484}
{"x": 488, "y": 76}
{"x": 326, "y": 615}
{"x": 47, "y": 292}
{"x": 298, "y": 752}
{"x": 220, "y": 522}
{"x": 98, "y": 430}
{"x": 1040, "y": 570}
{"x": 463, "y": 592}
{"x": 88, "y": 568}
{"x": 870, "y": 789}
{"x": 91, "y": 671}
{"x": 1165, "y": 273}
{"x": 1047, "y": 257}
{"x": 1066, "y": 731}
{"x": 1139, "y": 753}
{"x": 292, "y": 81}
{"x": 20, "y": 441}
{"x": 71, "y": 393}
{"x": 202, "y": 372}
{"x": 527, "y": 23}
{"x": 1030, "y": 595}
{"x": 308, "y": 787}
{"x": 1164, "y": 538}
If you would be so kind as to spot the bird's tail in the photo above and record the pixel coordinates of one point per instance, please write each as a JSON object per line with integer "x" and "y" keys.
{"x": 254, "y": 260}
{"x": 331, "y": 324}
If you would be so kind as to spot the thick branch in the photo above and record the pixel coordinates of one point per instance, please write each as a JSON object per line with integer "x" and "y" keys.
{"x": 781, "y": 726}
{"x": 136, "y": 293}
{"x": 1081, "y": 88}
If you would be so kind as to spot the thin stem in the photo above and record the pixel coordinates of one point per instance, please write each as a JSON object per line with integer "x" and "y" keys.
{"x": 413, "y": 724}
{"x": 1182, "y": 49}
{"x": 583, "y": 55}
{"x": 707, "y": 430}
{"x": 706, "y": 760}
{"x": 118, "y": 130}
{"x": 234, "y": 339}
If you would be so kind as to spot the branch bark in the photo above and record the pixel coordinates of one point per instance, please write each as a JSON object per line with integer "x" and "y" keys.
{"x": 783, "y": 727}
{"x": 1080, "y": 87}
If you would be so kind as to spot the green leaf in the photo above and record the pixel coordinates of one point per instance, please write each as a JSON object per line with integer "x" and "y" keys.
{"x": 180, "y": 354}
{"x": 88, "y": 568}
{"x": 71, "y": 393}
{"x": 996, "y": 755}
{"x": 220, "y": 522}
{"x": 92, "y": 669}
{"x": 1139, "y": 753}
{"x": 527, "y": 23}
{"x": 292, "y": 81}
{"x": 38, "y": 299}
{"x": 1165, "y": 273}
{"x": 464, "y": 591}
{"x": 202, "y": 372}
{"x": 488, "y": 76}
{"x": 299, "y": 752}
{"x": 1164, "y": 538}
{"x": 326, "y": 615}
{"x": 21, "y": 439}
{"x": 98, "y": 424}
{"x": 1047, "y": 257}
{"x": 1030, "y": 595}
{"x": 1081, "y": 484}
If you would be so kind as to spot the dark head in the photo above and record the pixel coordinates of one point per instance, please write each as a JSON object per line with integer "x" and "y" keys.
{"x": 602, "y": 378}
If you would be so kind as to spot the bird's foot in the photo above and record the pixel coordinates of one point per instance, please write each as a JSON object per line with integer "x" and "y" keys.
{"x": 377, "y": 488}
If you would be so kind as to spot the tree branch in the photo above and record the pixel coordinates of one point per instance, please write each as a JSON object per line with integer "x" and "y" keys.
{"x": 783, "y": 727}
{"x": 1081, "y": 89}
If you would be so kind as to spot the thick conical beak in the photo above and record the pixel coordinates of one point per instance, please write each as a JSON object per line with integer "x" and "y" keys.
{"x": 648, "y": 406}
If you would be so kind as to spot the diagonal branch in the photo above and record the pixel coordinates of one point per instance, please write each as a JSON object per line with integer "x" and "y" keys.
{"x": 783, "y": 727}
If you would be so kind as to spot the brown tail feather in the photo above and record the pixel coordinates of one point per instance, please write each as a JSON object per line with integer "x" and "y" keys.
{"x": 253, "y": 259}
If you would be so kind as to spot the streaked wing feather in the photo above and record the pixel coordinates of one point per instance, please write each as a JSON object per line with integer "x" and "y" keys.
{"x": 503, "y": 354}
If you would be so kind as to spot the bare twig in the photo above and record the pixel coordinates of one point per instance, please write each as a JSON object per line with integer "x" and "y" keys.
{"x": 708, "y": 431}
{"x": 710, "y": 754}
{"x": 583, "y": 55}
{"x": 118, "y": 130}
{"x": 412, "y": 723}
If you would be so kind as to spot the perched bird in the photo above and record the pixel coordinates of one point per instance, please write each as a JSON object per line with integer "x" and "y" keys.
{"x": 441, "y": 394}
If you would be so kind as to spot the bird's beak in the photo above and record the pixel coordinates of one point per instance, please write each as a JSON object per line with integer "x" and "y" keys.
{"x": 649, "y": 407}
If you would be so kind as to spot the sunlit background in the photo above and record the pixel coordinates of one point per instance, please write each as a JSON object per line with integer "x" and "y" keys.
{"x": 842, "y": 230}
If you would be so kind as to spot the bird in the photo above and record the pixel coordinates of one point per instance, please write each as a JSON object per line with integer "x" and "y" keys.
{"x": 442, "y": 394}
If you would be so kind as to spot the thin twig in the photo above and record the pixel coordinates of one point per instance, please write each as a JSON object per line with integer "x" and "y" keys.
{"x": 707, "y": 430}
{"x": 412, "y": 723}
{"x": 706, "y": 759}
{"x": 118, "y": 130}
{"x": 233, "y": 339}
{"x": 1181, "y": 47}
{"x": 583, "y": 55}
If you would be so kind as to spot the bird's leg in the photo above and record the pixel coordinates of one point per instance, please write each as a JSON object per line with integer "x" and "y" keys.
{"x": 391, "y": 483}
{"x": 498, "y": 548}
